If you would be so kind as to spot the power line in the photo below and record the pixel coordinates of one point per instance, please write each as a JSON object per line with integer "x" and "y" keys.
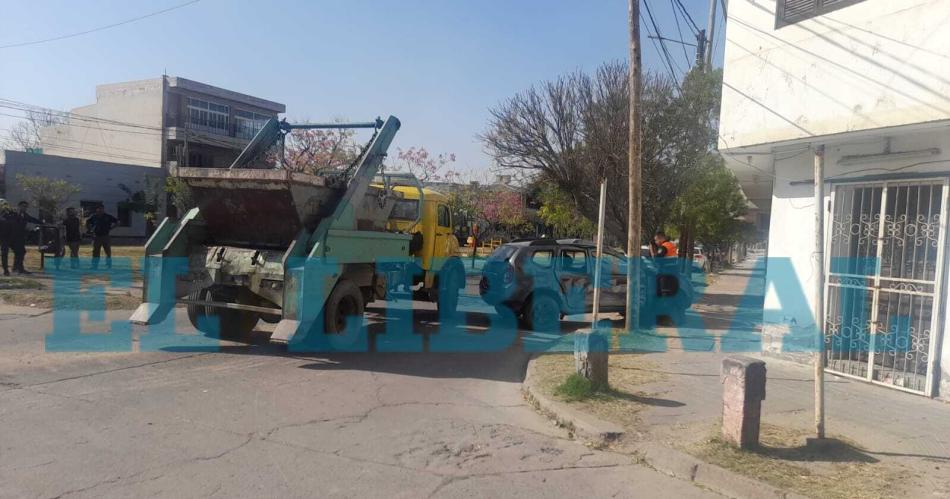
{"x": 689, "y": 18}
{"x": 656, "y": 30}
{"x": 22, "y": 106}
{"x": 88, "y": 31}
{"x": 87, "y": 126}
{"x": 676, "y": 17}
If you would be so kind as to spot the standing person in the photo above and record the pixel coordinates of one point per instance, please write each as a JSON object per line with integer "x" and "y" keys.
{"x": 16, "y": 227}
{"x": 4, "y": 236}
{"x": 73, "y": 236}
{"x": 100, "y": 224}
{"x": 662, "y": 247}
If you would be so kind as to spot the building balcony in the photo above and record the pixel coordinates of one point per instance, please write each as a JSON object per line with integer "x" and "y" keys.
{"x": 233, "y": 135}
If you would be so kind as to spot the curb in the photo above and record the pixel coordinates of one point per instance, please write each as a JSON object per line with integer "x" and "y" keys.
{"x": 579, "y": 423}
{"x": 686, "y": 467}
{"x": 658, "y": 456}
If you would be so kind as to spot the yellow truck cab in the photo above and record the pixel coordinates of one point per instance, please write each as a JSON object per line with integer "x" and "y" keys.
{"x": 433, "y": 243}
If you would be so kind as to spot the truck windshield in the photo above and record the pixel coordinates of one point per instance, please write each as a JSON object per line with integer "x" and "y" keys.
{"x": 405, "y": 209}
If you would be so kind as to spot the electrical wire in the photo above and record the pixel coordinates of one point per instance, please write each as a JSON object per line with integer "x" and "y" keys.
{"x": 22, "y": 106}
{"x": 689, "y": 18}
{"x": 87, "y": 126}
{"x": 108, "y": 26}
{"x": 656, "y": 31}
{"x": 676, "y": 17}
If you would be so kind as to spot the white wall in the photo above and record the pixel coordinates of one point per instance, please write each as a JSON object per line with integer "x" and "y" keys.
{"x": 98, "y": 181}
{"x": 792, "y": 234}
{"x": 874, "y": 64}
{"x": 138, "y": 103}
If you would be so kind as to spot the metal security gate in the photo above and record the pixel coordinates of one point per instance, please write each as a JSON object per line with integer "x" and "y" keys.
{"x": 884, "y": 286}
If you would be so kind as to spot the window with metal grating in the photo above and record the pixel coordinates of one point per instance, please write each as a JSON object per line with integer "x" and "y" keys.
{"x": 792, "y": 11}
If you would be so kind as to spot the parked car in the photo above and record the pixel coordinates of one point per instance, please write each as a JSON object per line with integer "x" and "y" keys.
{"x": 699, "y": 259}
{"x": 542, "y": 280}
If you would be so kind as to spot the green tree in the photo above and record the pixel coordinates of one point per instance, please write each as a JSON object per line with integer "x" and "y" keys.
{"x": 711, "y": 207}
{"x": 49, "y": 195}
{"x": 181, "y": 195}
{"x": 559, "y": 211}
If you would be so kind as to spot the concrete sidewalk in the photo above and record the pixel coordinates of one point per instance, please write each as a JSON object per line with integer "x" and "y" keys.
{"x": 889, "y": 425}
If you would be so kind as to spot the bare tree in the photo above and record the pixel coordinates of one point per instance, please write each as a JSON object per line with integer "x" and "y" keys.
{"x": 573, "y": 130}
{"x": 25, "y": 134}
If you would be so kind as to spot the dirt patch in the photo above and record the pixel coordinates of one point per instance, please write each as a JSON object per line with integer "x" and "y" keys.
{"x": 620, "y": 403}
{"x": 7, "y": 283}
{"x": 840, "y": 469}
{"x": 43, "y": 298}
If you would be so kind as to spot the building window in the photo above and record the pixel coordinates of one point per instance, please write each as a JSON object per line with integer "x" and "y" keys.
{"x": 792, "y": 11}
{"x": 247, "y": 124}
{"x": 124, "y": 212}
{"x": 204, "y": 115}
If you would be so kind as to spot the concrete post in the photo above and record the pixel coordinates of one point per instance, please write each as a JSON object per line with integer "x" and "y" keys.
{"x": 743, "y": 380}
{"x": 590, "y": 356}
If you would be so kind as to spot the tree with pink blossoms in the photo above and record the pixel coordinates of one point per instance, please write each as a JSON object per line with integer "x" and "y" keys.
{"x": 425, "y": 166}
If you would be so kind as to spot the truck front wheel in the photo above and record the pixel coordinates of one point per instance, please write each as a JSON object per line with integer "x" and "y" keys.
{"x": 451, "y": 282}
{"x": 344, "y": 308}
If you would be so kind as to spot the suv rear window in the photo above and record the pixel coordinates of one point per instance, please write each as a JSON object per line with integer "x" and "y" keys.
{"x": 574, "y": 260}
{"x": 543, "y": 258}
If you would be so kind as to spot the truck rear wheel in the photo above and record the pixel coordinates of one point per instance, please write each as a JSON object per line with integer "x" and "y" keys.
{"x": 230, "y": 324}
{"x": 197, "y": 314}
{"x": 344, "y": 308}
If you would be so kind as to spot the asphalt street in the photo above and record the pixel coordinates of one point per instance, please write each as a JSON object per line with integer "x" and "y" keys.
{"x": 256, "y": 420}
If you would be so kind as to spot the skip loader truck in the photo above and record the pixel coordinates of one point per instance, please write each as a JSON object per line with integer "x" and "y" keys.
{"x": 305, "y": 251}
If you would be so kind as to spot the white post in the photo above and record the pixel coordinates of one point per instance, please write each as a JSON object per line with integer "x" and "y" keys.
{"x": 820, "y": 291}
{"x": 600, "y": 251}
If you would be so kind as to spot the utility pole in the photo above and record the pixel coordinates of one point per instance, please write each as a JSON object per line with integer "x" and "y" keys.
{"x": 633, "y": 175}
{"x": 710, "y": 35}
{"x": 700, "y": 47}
{"x": 820, "y": 291}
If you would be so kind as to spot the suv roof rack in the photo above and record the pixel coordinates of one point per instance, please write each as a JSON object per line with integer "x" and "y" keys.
{"x": 582, "y": 242}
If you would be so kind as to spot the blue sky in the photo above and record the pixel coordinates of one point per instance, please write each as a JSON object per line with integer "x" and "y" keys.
{"x": 437, "y": 65}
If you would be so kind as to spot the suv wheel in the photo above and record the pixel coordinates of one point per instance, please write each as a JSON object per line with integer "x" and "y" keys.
{"x": 543, "y": 313}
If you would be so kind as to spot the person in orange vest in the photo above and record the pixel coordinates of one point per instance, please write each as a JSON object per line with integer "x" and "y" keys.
{"x": 662, "y": 247}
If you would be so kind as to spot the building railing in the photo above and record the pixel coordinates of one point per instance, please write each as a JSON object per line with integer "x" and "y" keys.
{"x": 234, "y": 129}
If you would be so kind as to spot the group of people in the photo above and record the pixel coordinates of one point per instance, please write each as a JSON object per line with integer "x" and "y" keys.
{"x": 13, "y": 235}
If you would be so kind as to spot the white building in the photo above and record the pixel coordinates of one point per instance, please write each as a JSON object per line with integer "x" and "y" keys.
{"x": 161, "y": 122}
{"x": 869, "y": 80}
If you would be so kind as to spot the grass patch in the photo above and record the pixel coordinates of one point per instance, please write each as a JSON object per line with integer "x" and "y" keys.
{"x": 620, "y": 402}
{"x": 135, "y": 253}
{"x": 576, "y": 387}
{"x": 839, "y": 470}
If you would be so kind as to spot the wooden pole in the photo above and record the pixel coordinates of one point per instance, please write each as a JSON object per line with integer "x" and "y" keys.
{"x": 820, "y": 291}
{"x": 633, "y": 175}
{"x": 600, "y": 252}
